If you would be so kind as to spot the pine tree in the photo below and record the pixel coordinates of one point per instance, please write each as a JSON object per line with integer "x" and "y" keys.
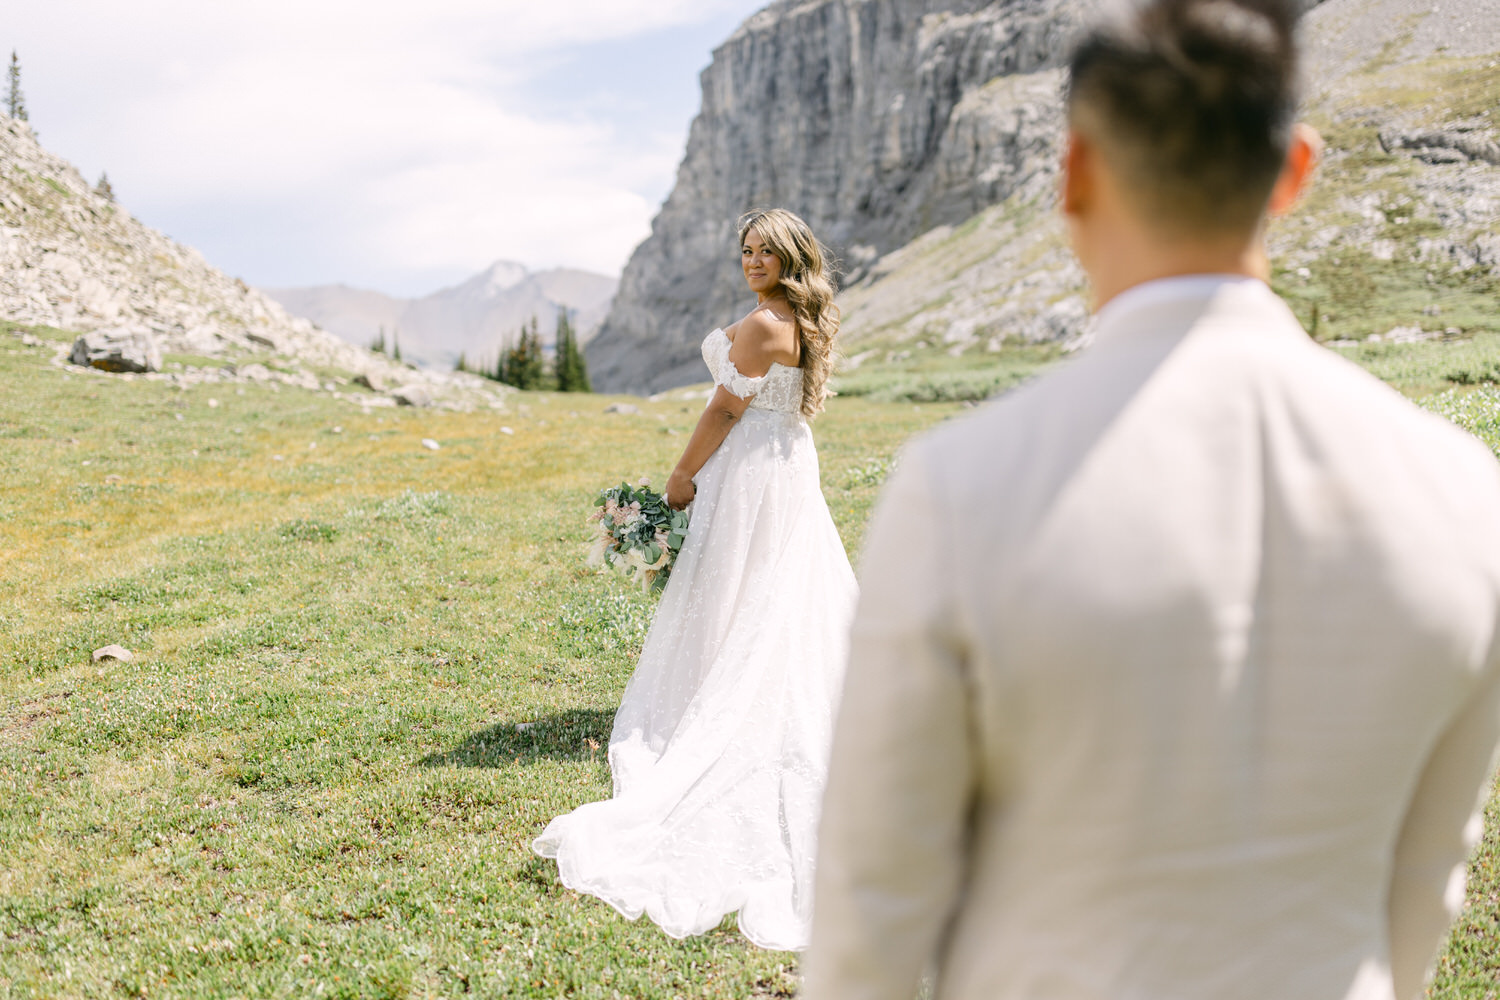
{"x": 572, "y": 371}
{"x": 523, "y": 365}
{"x": 378, "y": 344}
{"x": 16, "y": 101}
{"x": 104, "y": 189}
{"x": 535, "y": 370}
{"x": 463, "y": 363}
{"x": 561, "y": 355}
{"x": 581, "y": 381}
{"x": 396, "y": 344}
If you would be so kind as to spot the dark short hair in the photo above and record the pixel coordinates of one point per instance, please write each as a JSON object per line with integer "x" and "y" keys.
{"x": 1192, "y": 102}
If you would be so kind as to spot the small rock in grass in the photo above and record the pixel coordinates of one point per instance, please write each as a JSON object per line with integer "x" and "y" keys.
{"x": 506, "y": 430}
{"x": 213, "y": 404}
{"x": 114, "y": 477}
{"x": 113, "y": 652}
{"x": 430, "y": 444}
{"x": 624, "y": 408}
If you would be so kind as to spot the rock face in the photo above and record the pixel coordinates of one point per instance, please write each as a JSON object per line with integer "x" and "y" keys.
{"x": 870, "y": 118}
{"x": 1400, "y": 233}
{"x": 73, "y": 259}
{"x": 878, "y": 121}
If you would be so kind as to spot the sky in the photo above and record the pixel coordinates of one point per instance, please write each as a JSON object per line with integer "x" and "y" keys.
{"x": 397, "y": 146}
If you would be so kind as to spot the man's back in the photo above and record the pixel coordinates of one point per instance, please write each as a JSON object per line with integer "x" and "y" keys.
{"x": 1208, "y": 601}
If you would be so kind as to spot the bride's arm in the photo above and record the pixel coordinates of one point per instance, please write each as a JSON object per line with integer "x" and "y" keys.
{"x": 752, "y": 356}
{"x": 724, "y": 410}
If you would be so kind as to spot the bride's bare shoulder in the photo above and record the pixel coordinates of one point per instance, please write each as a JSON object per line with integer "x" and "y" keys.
{"x": 763, "y": 336}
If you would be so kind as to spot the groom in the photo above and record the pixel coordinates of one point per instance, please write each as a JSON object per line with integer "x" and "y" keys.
{"x": 1175, "y": 672}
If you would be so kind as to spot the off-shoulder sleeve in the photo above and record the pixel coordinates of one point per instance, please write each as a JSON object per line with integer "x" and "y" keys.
{"x": 727, "y": 375}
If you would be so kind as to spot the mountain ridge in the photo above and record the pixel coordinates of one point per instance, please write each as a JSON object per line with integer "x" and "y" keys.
{"x": 474, "y": 319}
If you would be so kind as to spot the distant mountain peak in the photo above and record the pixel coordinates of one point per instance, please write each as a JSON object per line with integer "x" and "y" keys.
{"x": 474, "y": 319}
{"x": 504, "y": 275}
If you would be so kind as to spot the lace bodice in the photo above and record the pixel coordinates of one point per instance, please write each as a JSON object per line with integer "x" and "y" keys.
{"x": 779, "y": 389}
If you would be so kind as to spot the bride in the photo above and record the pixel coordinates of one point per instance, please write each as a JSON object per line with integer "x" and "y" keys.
{"x": 720, "y": 745}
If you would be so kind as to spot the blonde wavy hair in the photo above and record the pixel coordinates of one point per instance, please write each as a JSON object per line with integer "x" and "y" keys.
{"x": 807, "y": 279}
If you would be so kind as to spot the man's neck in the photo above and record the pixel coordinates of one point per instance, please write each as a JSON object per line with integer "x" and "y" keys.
{"x": 1145, "y": 260}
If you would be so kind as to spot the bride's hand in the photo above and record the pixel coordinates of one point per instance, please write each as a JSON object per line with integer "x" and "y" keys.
{"x": 680, "y": 491}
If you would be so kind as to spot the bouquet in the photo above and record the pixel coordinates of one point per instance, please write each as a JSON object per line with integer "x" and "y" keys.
{"x": 638, "y": 534}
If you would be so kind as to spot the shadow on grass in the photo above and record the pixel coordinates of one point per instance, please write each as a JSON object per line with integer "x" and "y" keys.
{"x": 577, "y": 734}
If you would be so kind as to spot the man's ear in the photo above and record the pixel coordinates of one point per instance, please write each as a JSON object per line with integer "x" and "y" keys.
{"x": 1077, "y": 173}
{"x": 1302, "y": 158}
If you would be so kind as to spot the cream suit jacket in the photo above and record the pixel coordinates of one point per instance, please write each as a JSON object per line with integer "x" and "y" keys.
{"x": 1174, "y": 677}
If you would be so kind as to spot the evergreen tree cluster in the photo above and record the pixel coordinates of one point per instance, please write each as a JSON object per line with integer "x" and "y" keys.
{"x": 391, "y": 349}
{"x": 524, "y": 363}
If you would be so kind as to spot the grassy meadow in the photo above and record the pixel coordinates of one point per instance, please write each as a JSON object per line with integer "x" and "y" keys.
{"x": 310, "y": 782}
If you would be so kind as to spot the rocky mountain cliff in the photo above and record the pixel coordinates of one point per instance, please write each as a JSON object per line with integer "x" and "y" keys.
{"x": 473, "y": 319}
{"x": 1399, "y": 235}
{"x": 875, "y": 120}
{"x": 75, "y": 260}
{"x": 920, "y": 138}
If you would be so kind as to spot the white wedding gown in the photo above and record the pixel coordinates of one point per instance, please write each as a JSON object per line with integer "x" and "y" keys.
{"x": 720, "y": 746}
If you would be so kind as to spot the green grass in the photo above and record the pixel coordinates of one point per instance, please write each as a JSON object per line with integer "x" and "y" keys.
{"x": 934, "y": 376}
{"x": 310, "y": 780}
{"x": 171, "y": 362}
{"x": 1432, "y": 366}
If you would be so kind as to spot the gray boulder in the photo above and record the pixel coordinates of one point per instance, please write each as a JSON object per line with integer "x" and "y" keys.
{"x": 117, "y": 351}
{"x": 413, "y": 395}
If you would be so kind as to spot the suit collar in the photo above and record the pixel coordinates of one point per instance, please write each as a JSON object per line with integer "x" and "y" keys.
{"x": 1191, "y": 293}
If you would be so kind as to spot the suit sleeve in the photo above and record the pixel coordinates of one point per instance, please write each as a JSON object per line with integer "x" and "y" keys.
{"x": 893, "y": 838}
{"x": 1442, "y": 824}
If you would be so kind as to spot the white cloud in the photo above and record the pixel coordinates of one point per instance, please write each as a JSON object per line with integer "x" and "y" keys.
{"x": 392, "y": 137}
